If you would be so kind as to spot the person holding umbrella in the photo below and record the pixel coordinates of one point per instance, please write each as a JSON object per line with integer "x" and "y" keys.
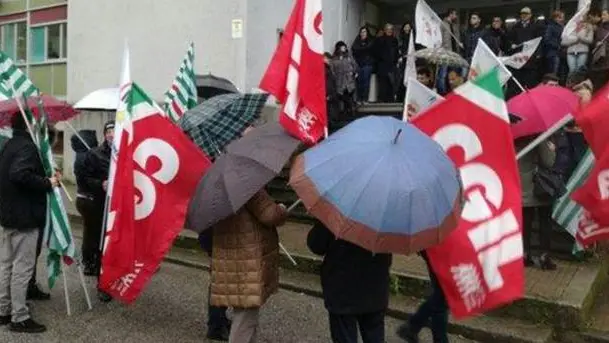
{"x": 409, "y": 201}
{"x": 231, "y": 202}
{"x": 346, "y": 264}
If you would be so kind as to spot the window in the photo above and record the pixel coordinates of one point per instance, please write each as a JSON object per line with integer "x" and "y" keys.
{"x": 13, "y": 41}
{"x": 38, "y": 51}
{"x": 49, "y": 42}
{"x": 21, "y": 34}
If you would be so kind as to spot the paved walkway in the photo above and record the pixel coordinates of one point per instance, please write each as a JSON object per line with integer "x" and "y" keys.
{"x": 172, "y": 310}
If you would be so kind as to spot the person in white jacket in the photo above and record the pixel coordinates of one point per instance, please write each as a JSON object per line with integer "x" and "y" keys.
{"x": 578, "y": 47}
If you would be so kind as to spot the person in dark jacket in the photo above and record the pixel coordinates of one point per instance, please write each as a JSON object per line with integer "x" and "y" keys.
{"x": 24, "y": 187}
{"x": 434, "y": 311}
{"x": 95, "y": 172}
{"x": 474, "y": 32}
{"x": 526, "y": 29}
{"x": 34, "y": 292}
{"x": 495, "y": 37}
{"x": 386, "y": 50}
{"x": 355, "y": 285}
{"x": 85, "y": 204}
{"x": 332, "y": 98}
{"x": 363, "y": 52}
{"x": 551, "y": 42}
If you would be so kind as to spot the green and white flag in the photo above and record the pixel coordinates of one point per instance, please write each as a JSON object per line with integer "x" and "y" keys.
{"x": 14, "y": 81}
{"x": 566, "y": 211}
{"x": 57, "y": 232}
{"x": 182, "y": 95}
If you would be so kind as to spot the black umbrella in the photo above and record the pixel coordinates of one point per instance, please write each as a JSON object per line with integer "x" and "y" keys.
{"x": 209, "y": 86}
{"x": 236, "y": 176}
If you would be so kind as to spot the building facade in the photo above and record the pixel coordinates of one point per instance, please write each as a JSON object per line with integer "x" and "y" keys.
{"x": 70, "y": 48}
{"x": 34, "y": 34}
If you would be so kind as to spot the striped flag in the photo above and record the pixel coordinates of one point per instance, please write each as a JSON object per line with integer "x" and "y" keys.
{"x": 566, "y": 212}
{"x": 14, "y": 81}
{"x": 182, "y": 95}
{"x": 57, "y": 231}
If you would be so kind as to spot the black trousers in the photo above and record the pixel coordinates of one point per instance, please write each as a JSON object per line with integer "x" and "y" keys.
{"x": 433, "y": 311}
{"x": 32, "y": 282}
{"x": 386, "y": 90}
{"x": 541, "y": 214}
{"x": 92, "y": 212}
{"x": 344, "y": 328}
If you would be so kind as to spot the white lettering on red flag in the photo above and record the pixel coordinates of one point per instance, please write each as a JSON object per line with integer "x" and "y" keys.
{"x": 593, "y": 195}
{"x": 479, "y": 265}
{"x": 296, "y": 74}
{"x": 158, "y": 169}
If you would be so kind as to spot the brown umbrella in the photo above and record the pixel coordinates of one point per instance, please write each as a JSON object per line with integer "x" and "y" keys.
{"x": 248, "y": 165}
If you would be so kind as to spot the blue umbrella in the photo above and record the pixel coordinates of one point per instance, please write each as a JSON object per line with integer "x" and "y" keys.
{"x": 382, "y": 184}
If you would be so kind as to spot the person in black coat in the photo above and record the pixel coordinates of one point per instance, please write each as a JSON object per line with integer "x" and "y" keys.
{"x": 355, "y": 285}
{"x": 552, "y": 49}
{"x": 84, "y": 197}
{"x": 363, "y": 52}
{"x": 495, "y": 37}
{"x": 335, "y": 117}
{"x": 470, "y": 37}
{"x": 524, "y": 30}
{"x": 387, "y": 54}
{"x": 94, "y": 181}
{"x": 24, "y": 187}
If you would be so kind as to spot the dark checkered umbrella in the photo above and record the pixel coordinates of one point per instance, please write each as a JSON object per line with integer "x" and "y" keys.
{"x": 218, "y": 121}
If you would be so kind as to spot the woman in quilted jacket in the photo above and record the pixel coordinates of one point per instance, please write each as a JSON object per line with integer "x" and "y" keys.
{"x": 245, "y": 263}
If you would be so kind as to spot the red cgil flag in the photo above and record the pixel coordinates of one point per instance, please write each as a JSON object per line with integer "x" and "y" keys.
{"x": 158, "y": 169}
{"x": 479, "y": 265}
{"x": 296, "y": 74}
{"x": 593, "y": 195}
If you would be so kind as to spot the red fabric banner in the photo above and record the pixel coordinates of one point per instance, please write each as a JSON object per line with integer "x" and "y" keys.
{"x": 593, "y": 195}
{"x": 296, "y": 74}
{"x": 159, "y": 167}
{"x": 479, "y": 265}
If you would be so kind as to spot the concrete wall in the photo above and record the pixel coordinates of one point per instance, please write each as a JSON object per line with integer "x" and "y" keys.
{"x": 342, "y": 19}
{"x": 158, "y": 32}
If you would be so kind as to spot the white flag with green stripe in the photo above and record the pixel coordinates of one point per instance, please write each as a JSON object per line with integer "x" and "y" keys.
{"x": 566, "y": 212}
{"x": 182, "y": 95}
{"x": 14, "y": 81}
{"x": 57, "y": 232}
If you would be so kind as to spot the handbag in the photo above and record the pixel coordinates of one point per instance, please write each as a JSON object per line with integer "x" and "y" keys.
{"x": 548, "y": 184}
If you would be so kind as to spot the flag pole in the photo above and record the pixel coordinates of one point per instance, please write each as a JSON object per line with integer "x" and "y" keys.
{"x": 77, "y": 134}
{"x": 66, "y": 294}
{"x": 517, "y": 82}
{"x": 81, "y": 276}
{"x": 544, "y": 136}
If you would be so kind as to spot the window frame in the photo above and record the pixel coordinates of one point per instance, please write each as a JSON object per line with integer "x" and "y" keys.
{"x": 62, "y": 28}
{"x": 3, "y": 26}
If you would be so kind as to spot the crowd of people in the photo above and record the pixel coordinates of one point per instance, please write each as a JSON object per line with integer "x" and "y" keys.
{"x": 385, "y": 53}
{"x": 355, "y": 281}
